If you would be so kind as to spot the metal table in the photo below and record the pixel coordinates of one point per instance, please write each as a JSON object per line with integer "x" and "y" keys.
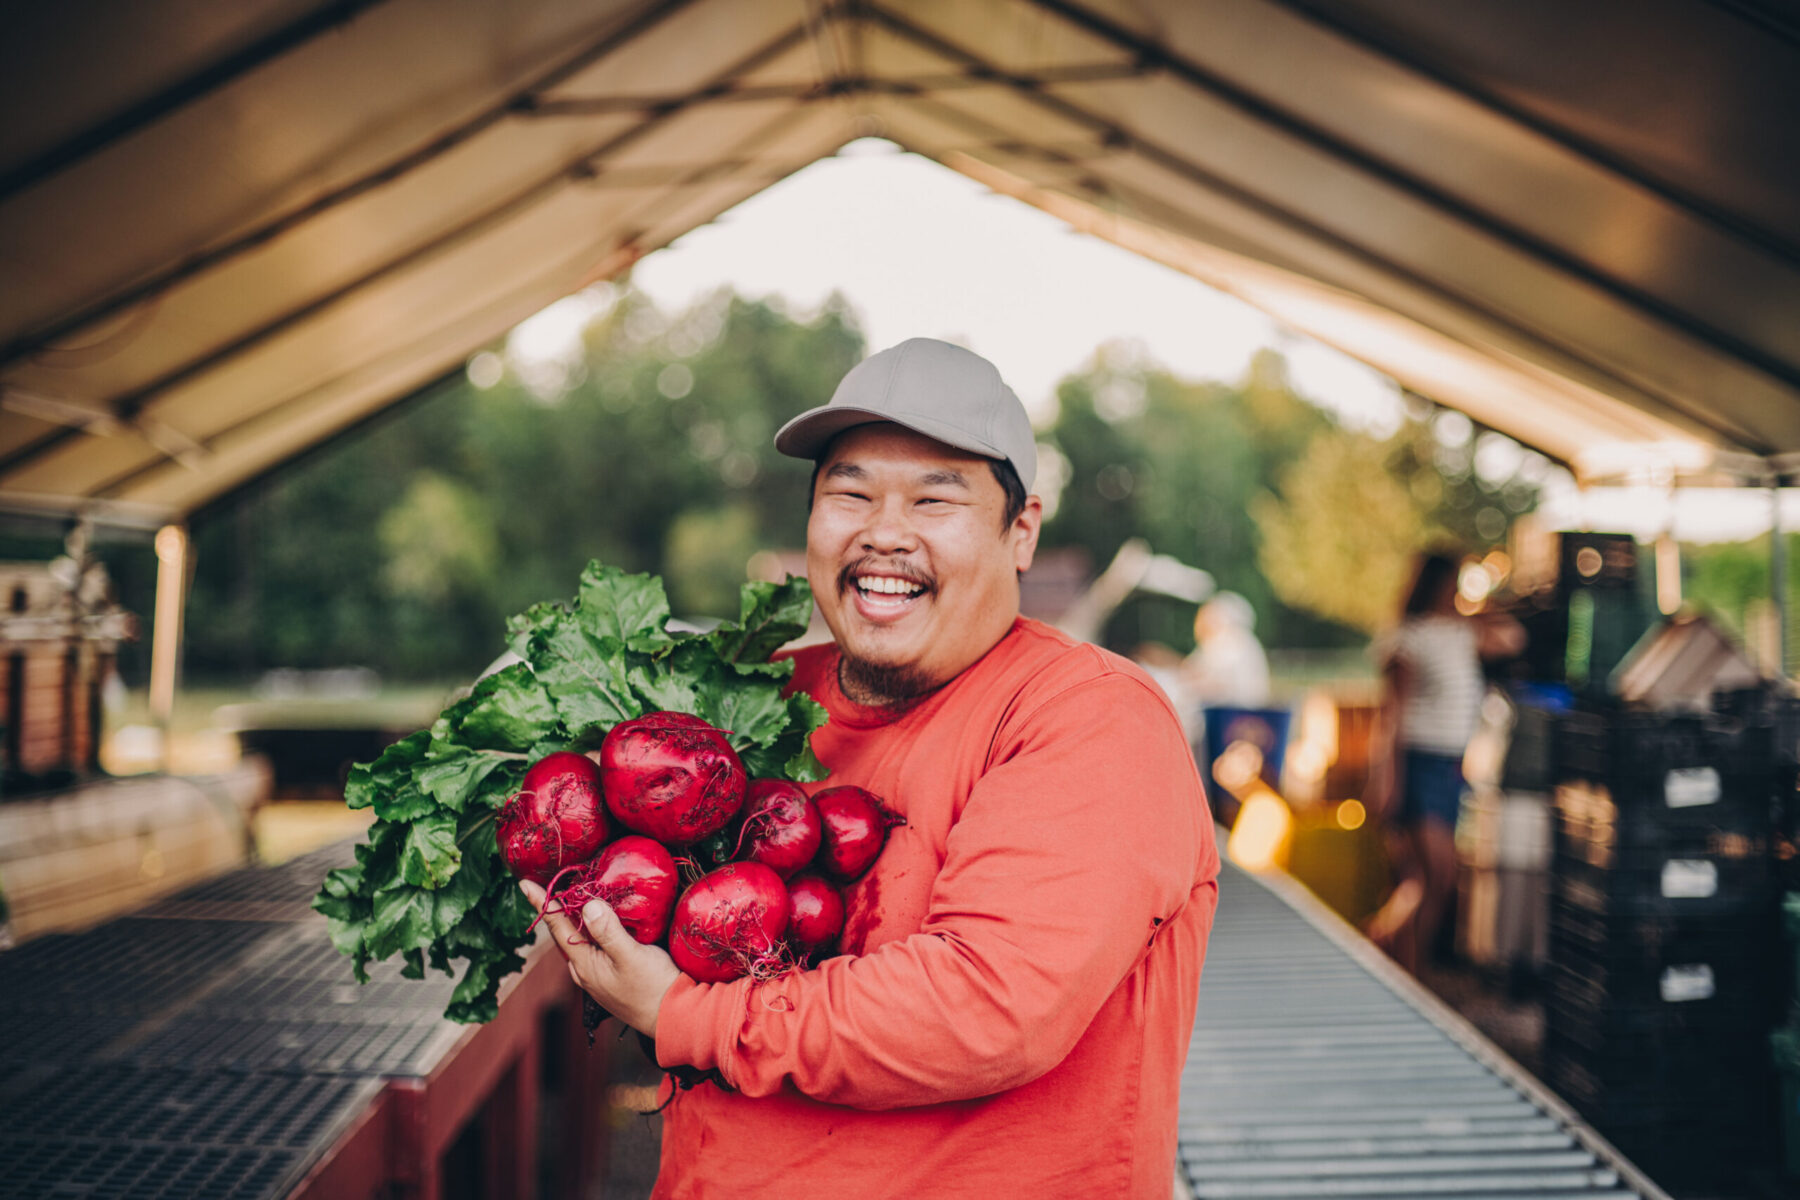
{"x": 215, "y": 1045}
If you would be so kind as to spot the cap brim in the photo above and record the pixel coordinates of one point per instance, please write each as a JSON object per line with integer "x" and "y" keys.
{"x": 807, "y": 434}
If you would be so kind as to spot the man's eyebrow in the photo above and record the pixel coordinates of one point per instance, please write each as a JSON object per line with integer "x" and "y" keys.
{"x": 845, "y": 470}
{"x": 945, "y": 476}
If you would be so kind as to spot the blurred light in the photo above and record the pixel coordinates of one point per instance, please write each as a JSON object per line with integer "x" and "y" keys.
{"x": 1261, "y": 831}
{"x": 675, "y": 380}
{"x": 1499, "y": 566}
{"x": 1474, "y": 583}
{"x": 486, "y": 369}
{"x": 1238, "y": 766}
{"x": 1351, "y": 814}
{"x": 1452, "y": 428}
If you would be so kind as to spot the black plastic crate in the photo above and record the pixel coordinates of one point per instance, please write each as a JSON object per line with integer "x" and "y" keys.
{"x": 1687, "y": 1152}
{"x": 1682, "y": 769}
{"x": 1661, "y": 884}
{"x": 1693, "y": 1063}
{"x": 1531, "y": 759}
{"x": 1766, "y": 708}
{"x": 1664, "y": 936}
{"x": 1723, "y": 813}
{"x": 1702, "y": 998}
{"x": 1720, "y": 1088}
{"x": 1636, "y": 749}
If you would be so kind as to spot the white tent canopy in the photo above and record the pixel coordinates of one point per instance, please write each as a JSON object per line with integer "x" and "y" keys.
{"x": 231, "y": 229}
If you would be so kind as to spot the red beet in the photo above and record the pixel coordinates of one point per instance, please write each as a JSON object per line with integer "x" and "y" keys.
{"x": 781, "y": 827}
{"x": 637, "y": 876}
{"x": 557, "y": 818}
{"x": 856, "y": 826}
{"x": 671, "y": 776}
{"x": 729, "y": 924}
{"x": 818, "y": 916}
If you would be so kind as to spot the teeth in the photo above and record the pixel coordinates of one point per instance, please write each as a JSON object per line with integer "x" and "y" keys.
{"x": 887, "y": 584}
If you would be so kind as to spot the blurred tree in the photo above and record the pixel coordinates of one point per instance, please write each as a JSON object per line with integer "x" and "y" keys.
{"x": 1339, "y": 534}
{"x": 1177, "y": 463}
{"x": 406, "y": 544}
{"x": 1731, "y": 581}
{"x": 1344, "y": 520}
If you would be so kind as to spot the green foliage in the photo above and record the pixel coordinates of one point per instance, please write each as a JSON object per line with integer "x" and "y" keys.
{"x": 429, "y": 881}
{"x": 1313, "y": 523}
{"x": 1732, "y": 583}
{"x": 404, "y": 547}
{"x": 1338, "y": 536}
{"x": 1345, "y": 521}
{"x": 1177, "y": 463}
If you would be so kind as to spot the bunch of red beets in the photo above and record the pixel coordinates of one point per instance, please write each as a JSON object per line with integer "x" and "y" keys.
{"x": 764, "y": 863}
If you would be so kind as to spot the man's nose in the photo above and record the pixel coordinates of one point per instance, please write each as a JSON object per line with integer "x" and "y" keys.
{"x": 890, "y": 529}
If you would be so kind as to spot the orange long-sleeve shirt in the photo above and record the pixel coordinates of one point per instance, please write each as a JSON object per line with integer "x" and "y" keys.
{"x": 1013, "y": 1004}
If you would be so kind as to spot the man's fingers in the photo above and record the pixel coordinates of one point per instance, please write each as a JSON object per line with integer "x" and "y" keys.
{"x": 561, "y": 927}
{"x": 603, "y": 926}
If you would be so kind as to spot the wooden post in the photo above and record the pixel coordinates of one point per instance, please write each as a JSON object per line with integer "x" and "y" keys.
{"x": 1778, "y": 577}
{"x": 165, "y": 643}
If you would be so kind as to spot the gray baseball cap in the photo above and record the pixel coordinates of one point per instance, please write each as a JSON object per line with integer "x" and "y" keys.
{"x": 949, "y": 394}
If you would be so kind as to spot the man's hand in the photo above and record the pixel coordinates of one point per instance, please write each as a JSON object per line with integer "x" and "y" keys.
{"x": 629, "y": 979}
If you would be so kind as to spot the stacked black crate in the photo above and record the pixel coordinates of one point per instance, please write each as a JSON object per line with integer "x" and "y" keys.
{"x": 1664, "y": 977}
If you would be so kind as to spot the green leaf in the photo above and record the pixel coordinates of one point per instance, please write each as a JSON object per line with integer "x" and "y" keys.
{"x": 751, "y": 711}
{"x": 521, "y": 627}
{"x": 672, "y": 690}
{"x": 443, "y": 730}
{"x": 341, "y": 895}
{"x": 509, "y": 710}
{"x": 585, "y": 676}
{"x": 629, "y": 609}
{"x": 476, "y": 996}
{"x": 402, "y": 920}
{"x": 452, "y": 779}
{"x": 805, "y": 715}
{"x": 430, "y": 855}
{"x": 367, "y": 782}
{"x": 772, "y": 615}
{"x": 404, "y": 803}
{"x": 509, "y": 911}
{"x": 415, "y": 964}
{"x": 805, "y": 767}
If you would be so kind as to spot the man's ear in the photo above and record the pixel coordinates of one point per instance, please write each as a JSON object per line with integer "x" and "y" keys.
{"x": 1024, "y": 533}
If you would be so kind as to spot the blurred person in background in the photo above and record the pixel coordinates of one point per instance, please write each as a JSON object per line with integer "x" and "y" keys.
{"x": 1432, "y": 684}
{"x": 1224, "y": 685}
{"x": 1228, "y": 667}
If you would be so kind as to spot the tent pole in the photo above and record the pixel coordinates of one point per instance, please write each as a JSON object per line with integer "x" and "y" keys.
{"x": 165, "y": 636}
{"x": 1778, "y": 577}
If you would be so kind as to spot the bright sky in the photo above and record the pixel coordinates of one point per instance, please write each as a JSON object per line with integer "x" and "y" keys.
{"x": 922, "y": 251}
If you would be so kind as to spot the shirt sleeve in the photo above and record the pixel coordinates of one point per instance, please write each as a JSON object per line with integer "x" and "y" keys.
{"x": 1089, "y": 832}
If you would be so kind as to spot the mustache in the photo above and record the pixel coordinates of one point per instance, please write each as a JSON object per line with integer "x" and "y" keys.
{"x": 869, "y": 564}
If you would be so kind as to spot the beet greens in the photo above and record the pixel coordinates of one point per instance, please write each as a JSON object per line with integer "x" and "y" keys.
{"x": 428, "y": 883}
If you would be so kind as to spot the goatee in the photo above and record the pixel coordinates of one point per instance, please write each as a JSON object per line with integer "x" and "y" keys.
{"x": 879, "y": 685}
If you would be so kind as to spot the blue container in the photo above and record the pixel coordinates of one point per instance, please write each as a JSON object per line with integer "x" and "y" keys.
{"x": 1265, "y": 728}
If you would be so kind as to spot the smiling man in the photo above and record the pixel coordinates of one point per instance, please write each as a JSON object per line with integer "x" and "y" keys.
{"x": 1012, "y": 1002}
